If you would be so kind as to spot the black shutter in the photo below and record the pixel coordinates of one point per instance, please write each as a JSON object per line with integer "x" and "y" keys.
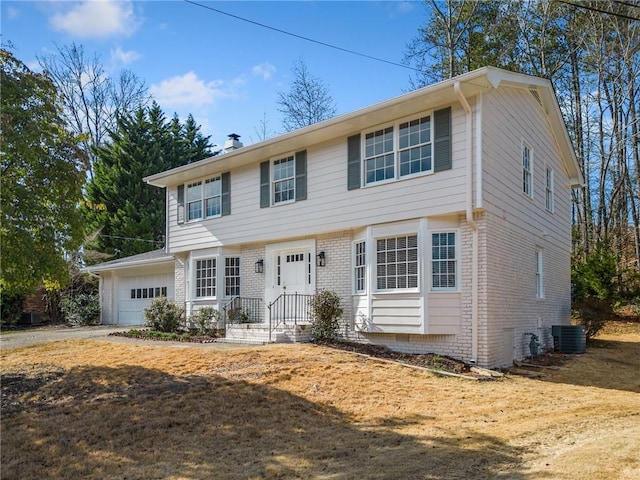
{"x": 180, "y": 213}
{"x": 442, "y": 139}
{"x": 265, "y": 183}
{"x": 226, "y": 194}
{"x": 301, "y": 175}
{"x": 353, "y": 162}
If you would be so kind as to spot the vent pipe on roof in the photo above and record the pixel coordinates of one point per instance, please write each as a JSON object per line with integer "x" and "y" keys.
{"x": 232, "y": 143}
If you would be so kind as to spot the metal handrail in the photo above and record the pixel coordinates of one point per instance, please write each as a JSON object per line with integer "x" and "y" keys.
{"x": 243, "y": 310}
{"x": 289, "y": 306}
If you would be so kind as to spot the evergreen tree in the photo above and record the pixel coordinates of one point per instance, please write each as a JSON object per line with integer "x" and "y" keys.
{"x": 129, "y": 214}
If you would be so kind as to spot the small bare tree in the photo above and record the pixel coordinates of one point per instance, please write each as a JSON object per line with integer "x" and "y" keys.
{"x": 307, "y": 102}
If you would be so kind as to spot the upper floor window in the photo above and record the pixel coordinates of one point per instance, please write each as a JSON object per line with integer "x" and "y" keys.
{"x": 284, "y": 176}
{"x": 549, "y": 189}
{"x": 411, "y": 150}
{"x": 444, "y": 263}
{"x": 194, "y": 201}
{"x": 419, "y": 145}
{"x": 527, "y": 171}
{"x": 397, "y": 262}
{"x": 205, "y": 198}
{"x": 360, "y": 267}
{"x": 283, "y": 180}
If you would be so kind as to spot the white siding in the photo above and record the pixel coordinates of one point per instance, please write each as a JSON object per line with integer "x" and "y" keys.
{"x": 517, "y": 225}
{"x": 397, "y": 312}
{"x": 444, "y": 313}
{"x": 329, "y": 205}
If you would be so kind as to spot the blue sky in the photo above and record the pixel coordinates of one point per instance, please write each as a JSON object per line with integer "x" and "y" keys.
{"x": 225, "y": 71}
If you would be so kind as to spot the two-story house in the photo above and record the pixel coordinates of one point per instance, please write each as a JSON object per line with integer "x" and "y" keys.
{"x": 441, "y": 217}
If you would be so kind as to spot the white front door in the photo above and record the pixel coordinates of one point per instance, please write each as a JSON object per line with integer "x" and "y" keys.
{"x": 293, "y": 272}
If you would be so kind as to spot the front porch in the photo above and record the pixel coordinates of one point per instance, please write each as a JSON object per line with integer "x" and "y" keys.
{"x": 252, "y": 321}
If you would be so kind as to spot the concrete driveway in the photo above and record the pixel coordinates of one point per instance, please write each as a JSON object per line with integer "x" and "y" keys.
{"x": 33, "y": 336}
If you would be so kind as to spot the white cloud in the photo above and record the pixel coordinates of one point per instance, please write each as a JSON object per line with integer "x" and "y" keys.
{"x": 96, "y": 19}
{"x": 120, "y": 57}
{"x": 12, "y": 13}
{"x": 187, "y": 90}
{"x": 265, "y": 70}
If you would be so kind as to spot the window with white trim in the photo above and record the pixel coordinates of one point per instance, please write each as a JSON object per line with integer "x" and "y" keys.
{"x": 205, "y": 276}
{"x": 397, "y": 263}
{"x": 397, "y": 151}
{"x": 539, "y": 278}
{"x": 232, "y": 276}
{"x": 527, "y": 171}
{"x": 194, "y": 201}
{"x": 444, "y": 262}
{"x": 360, "y": 267}
{"x": 204, "y": 197}
{"x": 549, "y": 189}
{"x": 284, "y": 180}
{"x": 213, "y": 197}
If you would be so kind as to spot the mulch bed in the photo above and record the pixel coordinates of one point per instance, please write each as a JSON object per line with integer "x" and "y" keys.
{"x": 144, "y": 335}
{"x": 425, "y": 360}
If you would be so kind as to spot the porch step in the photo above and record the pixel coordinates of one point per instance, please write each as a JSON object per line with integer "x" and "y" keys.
{"x": 258, "y": 333}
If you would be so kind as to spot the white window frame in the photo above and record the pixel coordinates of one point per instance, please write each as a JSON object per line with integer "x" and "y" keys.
{"x": 196, "y": 289}
{"x": 202, "y": 200}
{"x": 527, "y": 169}
{"x": 455, "y": 260}
{"x": 290, "y": 178}
{"x": 396, "y": 151}
{"x": 539, "y": 273}
{"x": 195, "y": 201}
{"x": 549, "y": 189}
{"x": 235, "y": 275}
{"x": 396, "y": 263}
{"x": 360, "y": 267}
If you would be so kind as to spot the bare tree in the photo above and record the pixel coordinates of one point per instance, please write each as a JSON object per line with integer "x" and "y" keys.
{"x": 91, "y": 99}
{"x": 307, "y": 102}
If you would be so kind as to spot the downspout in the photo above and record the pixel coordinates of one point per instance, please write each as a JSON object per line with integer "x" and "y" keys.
{"x": 469, "y": 217}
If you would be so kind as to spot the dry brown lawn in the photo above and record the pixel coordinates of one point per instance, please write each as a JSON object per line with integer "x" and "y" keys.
{"x": 101, "y": 410}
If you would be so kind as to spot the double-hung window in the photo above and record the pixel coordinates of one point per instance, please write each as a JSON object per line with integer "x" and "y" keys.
{"x": 379, "y": 155}
{"x": 549, "y": 189}
{"x": 205, "y": 276}
{"x": 204, "y": 199}
{"x": 284, "y": 180}
{"x": 398, "y": 151}
{"x": 397, "y": 263}
{"x": 415, "y": 146}
{"x": 360, "y": 267}
{"x": 444, "y": 263}
{"x": 232, "y": 276}
{"x": 527, "y": 171}
{"x": 213, "y": 197}
{"x": 194, "y": 201}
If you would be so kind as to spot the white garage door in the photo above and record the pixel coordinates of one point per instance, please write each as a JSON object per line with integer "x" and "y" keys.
{"x": 136, "y": 293}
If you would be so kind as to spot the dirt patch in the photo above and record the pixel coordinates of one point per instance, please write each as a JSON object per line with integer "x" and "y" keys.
{"x": 103, "y": 410}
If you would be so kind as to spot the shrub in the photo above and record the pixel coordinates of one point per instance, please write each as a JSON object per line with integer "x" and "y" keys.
{"x": 238, "y": 315}
{"x": 593, "y": 313}
{"x": 205, "y": 320}
{"x": 11, "y": 307}
{"x": 163, "y": 315}
{"x": 325, "y": 311}
{"x": 81, "y": 308}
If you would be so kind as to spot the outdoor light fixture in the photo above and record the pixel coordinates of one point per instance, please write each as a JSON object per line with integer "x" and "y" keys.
{"x": 260, "y": 266}
{"x": 320, "y": 260}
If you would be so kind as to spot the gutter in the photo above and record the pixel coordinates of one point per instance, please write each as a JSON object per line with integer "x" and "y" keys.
{"x": 472, "y": 223}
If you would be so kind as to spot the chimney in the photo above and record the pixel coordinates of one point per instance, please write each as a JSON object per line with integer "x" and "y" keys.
{"x": 232, "y": 143}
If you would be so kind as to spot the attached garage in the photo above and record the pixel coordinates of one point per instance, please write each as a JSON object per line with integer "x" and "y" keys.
{"x": 129, "y": 285}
